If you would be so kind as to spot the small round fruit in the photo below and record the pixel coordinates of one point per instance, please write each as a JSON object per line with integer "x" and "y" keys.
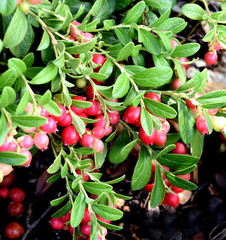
{"x": 87, "y": 37}
{"x": 71, "y": 229}
{"x": 114, "y": 117}
{"x": 218, "y": 123}
{"x": 94, "y": 109}
{"x": 165, "y": 126}
{"x": 103, "y": 220}
{"x": 147, "y": 139}
{"x": 98, "y": 146}
{"x": 160, "y": 139}
{"x": 85, "y": 229}
{"x": 15, "y": 208}
{"x": 89, "y": 92}
{"x": 81, "y": 83}
{"x": 8, "y": 180}
{"x": 13, "y": 230}
{"x": 85, "y": 176}
{"x": 98, "y": 132}
{"x": 172, "y": 199}
{"x": 176, "y": 189}
{"x": 132, "y": 114}
{"x": 148, "y": 187}
{"x": 17, "y": 194}
{"x": 28, "y": 154}
{"x": 66, "y": 121}
{"x": 101, "y": 122}
{"x": 41, "y": 141}
{"x": 50, "y": 126}
{"x": 211, "y": 57}
{"x": 180, "y": 148}
{"x": 87, "y": 140}
{"x": 152, "y": 96}
{"x": 56, "y": 223}
{"x": 202, "y": 126}
{"x": 66, "y": 217}
{"x": 77, "y": 110}
{"x": 63, "y": 113}
{"x": 87, "y": 217}
{"x": 69, "y": 135}
{"x": 176, "y": 83}
{"x": 98, "y": 59}
{"x": 6, "y": 169}
{"x": 4, "y": 192}
{"x": 34, "y": 1}
{"x": 74, "y": 32}
{"x": 25, "y": 141}
{"x": 24, "y": 7}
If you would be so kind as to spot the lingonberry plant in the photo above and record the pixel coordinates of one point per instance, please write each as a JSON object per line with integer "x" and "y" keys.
{"x": 70, "y": 88}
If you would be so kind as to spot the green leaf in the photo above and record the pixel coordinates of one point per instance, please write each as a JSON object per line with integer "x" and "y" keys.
{"x": 180, "y": 71}
{"x": 45, "y": 98}
{"x": 100, "y": 157}
{"x": 78, "y": 123}
{"x": 97, "y": 187}
{"x": 1, "y": 45}
{"x": 185, "y": 170}
{"x": 106, "y": 212}
{"x": 185, "y": 50}
{"x": 146, "y": 121}
{"x": 208, "y": 121}
{"x": 138, "y": 98}
{"x": 61, "y": 212}
{"x": 55, "y": 166}
{"x": 186, "y": 118}
{"x": 160, "y": 109}
{"x": 159, "y": 4}
{"x": 54, "y": 178}
{"x": 45, "y": 41}
{"x": 135, "y": 13}
{"x": 107, "y": 68}
{"x": 117, "y": 180}
{"x": 58, "y": 201}
{"x": 7, "y": 7}
{"x": 179, "y": 182}
{"x": 126, "y": 51}
{"x": 162, "y": 19}
{"x": 153, "y": 77}
{"x": 52, "y": 108}
{"x": 3, "y": 129}
{"x": 82, "y": 48}
{"x": 108, "y": 24}
{"x": 193, "y": 11}
{"x": 46, "y": 75}
{"x": 64, "y": 170}
{"x": 8, "y": 78}
{"x": 8, "y": 97}
{"x": 149, "y": 41}
{"x": 18, "y": 65}
{"x": 81, "y": 104}
{"x": 23, "y": 103}
{"x": 112, "y": 136}
{"x": 78, "y": 210}
{"x": 120, "y": 196}
{"x": 28, "y": 121}
{"x": 109, "y": 226}
{"x": 130, "y": 97}
{"x": 122, "y": 36}
{"x": 142, "y": 170}
{"x": 60, "y": 61}
{"x": 16, "y": 30}
{"x": 172, "y": 138}
{"x": 177, "y": 161}
{"x": 166, "y": 149}
{"x": 23, "y": 48}
{"x": 158, "y": 191}
{"x": 12, "y": 158}
{"x": 29, "y": 59}
{"x": 121, "y": 86}
{"x": 197, "y": 144}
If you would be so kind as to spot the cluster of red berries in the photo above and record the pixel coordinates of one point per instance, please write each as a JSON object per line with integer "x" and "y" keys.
{"x": 132, "y": 116}
{"x": 85, "y": 226}
{"x": 13, "y": 230}
{"x": 170, "y": 199}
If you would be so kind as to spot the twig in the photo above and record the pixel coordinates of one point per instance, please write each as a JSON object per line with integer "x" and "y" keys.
{"x": 34, "y": 224}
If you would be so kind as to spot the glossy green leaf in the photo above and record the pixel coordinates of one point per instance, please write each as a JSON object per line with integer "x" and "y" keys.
{"x": 97, "y": 188}
{"x": 8, "y": 78}
{"x": 58, "y": 201}
{"x": 197, "y": 144}
{"x": 121, "y": 86}
{"x": 146, "y": 121}
{"x": 7, "y": 7}
{"x": 18, "y": 65}
{"x": 62, "y": 211}
{"x": 45, "y": 41}
{"x": 99, "y": 158}
{"x": 78, "y": 123}
{"x": 55, "y": 166}
{"x": 23, "y": 103}
{"x": 126, "y": 51}
{"x": 12, "y": 158}
{"x": 24, "y": 121}
{"x": 185, "y": 50}
{"x": 106, "y": 212}
{"x": 135, "y": 13}
{"x": 193, "y": 11}
{"x": 8, "y": 97}
{"x": 82, "y": 48}
{"x": 3, "y": 129}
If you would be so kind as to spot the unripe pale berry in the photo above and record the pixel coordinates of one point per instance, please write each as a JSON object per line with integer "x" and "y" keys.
{"x": 132, "y": 114}
{"x": 211, "y": 57}
{"x": 212, "y": 112}
{"x": 30, "y": 130}
{"x": 28, "y": 154}
{"x": 98, "y": 146}
{"x": 147, "y": 139}
{"x": 24, "y": 7}
{"x": 69, "y": 135}
{"x": 41, "y": 141}
{"x": 81, "y": 83}
{"x": 201, "y": 125}
{"x": 25, "y": 141}
{"x": 6, "y": 169}
{"x": 218, "y": 123}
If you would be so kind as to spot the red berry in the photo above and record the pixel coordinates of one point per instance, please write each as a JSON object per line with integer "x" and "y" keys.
{"x": 41, "y": 141}
{"x": 172, "y": 199}
{"x": 13, "y": 230}
{"x": 108, "y": 130}
{"x": 94, "y": 109}
{"x": 69, "y": 135}
{"x": 34, "y": 1}
{"x": 147, "y": 139}
{"x": 176, "y": 189}
{"x": 87, "y": 37}
{"x": 25, "y": 141}
{"x": 114, "y": 117}
{"x": 66, "y": 217}
{"x": 50, "y": 126}
{"x": 212, "y": 112}
{"x": 176, "y": 83}
{"x": 165, "y": 127}
{"x": 15, "y": 208}
{"x": 77, "y": 110}
{"x": 8, "y": 180}
{"x": 180, "y": 148}
{"x": 75, "y": 31}
{"x": 152, "y": 96}
{"x": 184, "y": 59}
{"x": 148, "y": 187}
{"x": 160, "y": 139}
{"x": 44, "y": 112}
{"x": 103, "y": 220}
{"x": 211, "y": 58}
{"x": 98, "y": 146}
{"x": 89, "y": 92}
{"x": 98, "y": 132}
{"x": 202, "y": 126}
{"x": 216, "y": 45}
{"x": 66, "y": 121}
{"x": 63, "y": 113}
{"x": 56, "y": 223}
{"x": 4, "y": 192}
{"x": 185, "y": 176}
{"x": 71, "y": 229}
{"x": 85, "y": 176}
{"x": 28, "y": 154}
{"x": 98, "y": 59}
{"x": 17, "y": 194}
{"x": 173, "y": 43}
{"x": 86, "y": 218}
{"x": 132, "y": 114}
{"x": 87, "y": 140}
{"x": 101, "y": 122}
{"x": 86, "y": 229}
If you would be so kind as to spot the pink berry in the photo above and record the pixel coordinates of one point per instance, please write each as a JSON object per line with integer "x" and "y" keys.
{"x": 98, "y": 132}
{"x": 108, "y": 130}
{"x": 160, "y": 139}
{"x": 85, "y": 229}
{"x": 87, "y": 37}
{"x": 114, "y": 117}
{"x": 101, "y": 122}
{"x": 63, "y": 113}
{"x": 25, "y": 141}
{"x": 50, "y": 126}
{"x": 87, "y": 217}
{"x": 132, "y": 114}
{"x": 184, "y": 59}
{"x": 6, "y": 169}
{"x": 74, "y": 32}
{"x": 66, "y": 121}
{"x": 153, "y": 96}
{"x": 147, "y": 139}
{"x": 77, "y": 110}
{"x": 87, "y": 140}
{"x": 13, "y": 147}
{"x": 44, "y": 112}
{"x": 98, "y": 146}
{"x": 69, "y": 135}
{"x": 176, "y": 83}
{"x": 56, "y": 223}
{"x": 27, "y": 153}
{"x": 30, "y": 130}
{"x": 173, "y": 43}
{"x": 172, "y": 199}
{"x": 180, "y": 148}
{"x": 5, "y": 146}
{"x": 29, "y": 107}
{"x": 89, "y": 92}
{"x": 41, "y": 141}
{"x": 210, "y": 57}
{"x": 98, "y": 59}
{"x": 94, "y": 109}
{"x": 212, "y": 112}
{"x": 201, "y": 125}
{"x": 66, "y": 217}
{"x": 165, "y": 127}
